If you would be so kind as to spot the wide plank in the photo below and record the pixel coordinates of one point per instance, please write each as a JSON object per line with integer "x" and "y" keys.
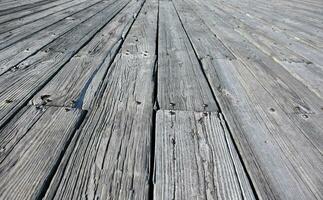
{"x": 112, "y": 156}
{"x": 195, "y": 159}
{"x": 19, "y": 85}
{"x": 11, "y": 56}
{"x": 32, "y": 145}
{"x": 181, "y": 83}
{"x": 76, "y": 84}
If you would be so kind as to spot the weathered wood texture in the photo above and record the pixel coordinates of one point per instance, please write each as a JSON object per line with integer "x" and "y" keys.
{"x": 14, "y": 54}
{"x": 195, "y": 158}
{"x": 20, "y": 84}
{"x": 32, "y": 145}
{"x": 112, "y": 154}
{"x": 181, "y": 83}
{"x": 76, "y": 84}
{"x": 267, "y": 131}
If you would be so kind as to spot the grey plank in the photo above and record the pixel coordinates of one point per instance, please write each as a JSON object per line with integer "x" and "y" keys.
{"x": 181, "y": 83}
{"x": 13, "y": 55}
{"x": 31, "y": 147}
{"x": 271, "y": 143}
{"x": 10, "y": 37}
{"x": 193, "y": 158}
{"x": 19, "y": 85}
{"x": 76, "y": 84}
{"x": 111, "y": 158}
{"x": 14, "y": 23}
{"x": 27, "y": 12}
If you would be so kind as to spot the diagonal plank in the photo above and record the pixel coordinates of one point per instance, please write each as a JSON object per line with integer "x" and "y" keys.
{"x": 19, "y": 85}
{"x": 181, "y": 83}
{"x": 17, "y": 7}
{"x": 270, "y": 142}
{"x": 111, "y": 158}
{"x": 14, "y": 54}
{"x": 76, "y": 84}
{"x": 27, "y": 12}
{"x": 22, "y": 32}
{"x": 291, "y": 95}
{"x": 195, "y": 158}
{"x": 36, "y": 16}
{"x": 31, "y": 147}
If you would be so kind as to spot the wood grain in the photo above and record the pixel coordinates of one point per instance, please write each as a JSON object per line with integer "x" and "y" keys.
{"x": 20, "y": 84}
{"x": 181, "y": 83}
{"x": 76, "y": 84}
{"x": 31, "y": 147}
{"x": 194, "y": 158}
{"x": 112, "y": 155}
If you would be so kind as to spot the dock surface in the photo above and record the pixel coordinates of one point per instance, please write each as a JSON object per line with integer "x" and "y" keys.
{"x": 161, "y": 99}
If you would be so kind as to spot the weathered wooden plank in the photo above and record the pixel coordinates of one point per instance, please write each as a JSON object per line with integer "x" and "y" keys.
{"x": 271, "y": 144}
{"x": 193, "y": 158}
{"x": 16, "y": 7}
{"x": 14, "y": 23}
{"x": 290, "y": 94}
{"x": 181, "y": 83}
{"x": 76, "y": 84}
{"x": 26, "y": 12}
{"x": 111, "y": 158}
{"x": 31, "y": 147}
{"x": 13, "y": 55}
{"x": 20, "y": 84}
{"x": 10, "y": 37}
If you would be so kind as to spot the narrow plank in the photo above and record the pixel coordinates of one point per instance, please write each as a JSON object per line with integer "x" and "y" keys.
{"x": 31, "y": 147}
{"x": 19, "y": 85}
{"x": 76, "y": 84}
{"x": 27, "y": 12}
{"x": 17, "y": 6}
{"x": 181, "y": 83}
{"x": 13, "y": 55}
{"x": 10, "y": 37}
{"x": 35, "y": 16}
{"x": 193, "y": 158}
{"x": 111, "y": 158}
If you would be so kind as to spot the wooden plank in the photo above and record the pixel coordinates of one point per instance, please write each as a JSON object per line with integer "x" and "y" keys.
{"x": 290, "y": 94}
{"x": 19, "y": 85}
{"x": 14, "y": 23}
{"x": 194, "y": 160}
{"x": 76, "y": 84}
{"x": 270, "y": 142}
{"x": 31, "y": 147}
{"x": 27, "y": 12}
{"x": 111, "y": 158}
{"x": 181, "y": 83}
{"x": 10, "y": 37}
{"x": 13, "y": 55}
{"x": 16, "y": 7}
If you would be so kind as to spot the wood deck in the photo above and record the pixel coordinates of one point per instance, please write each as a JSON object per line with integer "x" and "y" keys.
{"x": 161, "y": 99}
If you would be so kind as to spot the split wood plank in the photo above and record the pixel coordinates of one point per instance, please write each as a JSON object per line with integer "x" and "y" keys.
{"x": 36, "y": 16}
{"x": 181, "y": 83}
{"x": 27, "y": 12}
{"x": 32, "y": 145}
{"x": 76, "y": 84}
{"x": 11, "y": 37}
{"x": 291, "y": 95}
{"x": 13, "y": 55}
{"x": 270, "y": 144}
{"x": 195, "y": 158}
{"x": 112, "y": 157}
{"x": 19, "y": 85}
{"x": 16, "y": 7}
